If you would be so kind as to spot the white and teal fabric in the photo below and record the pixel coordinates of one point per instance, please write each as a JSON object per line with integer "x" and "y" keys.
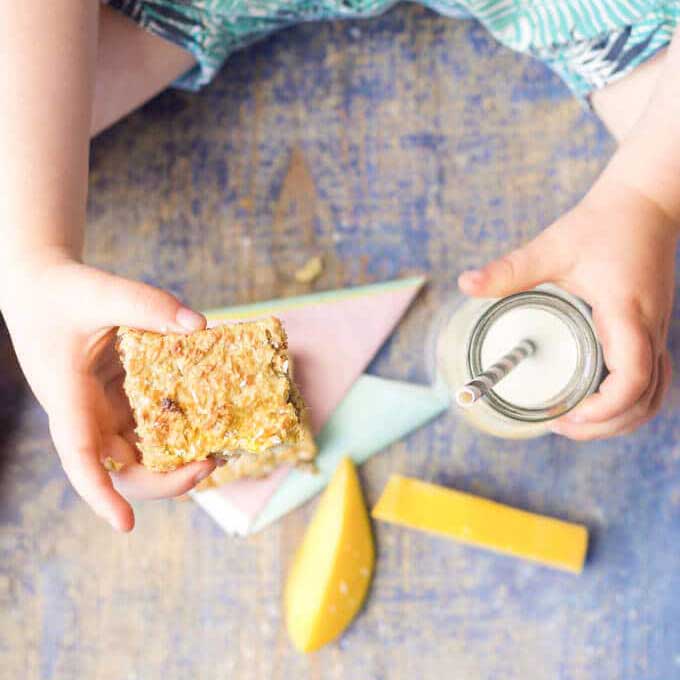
{"x": 589, "y": 43}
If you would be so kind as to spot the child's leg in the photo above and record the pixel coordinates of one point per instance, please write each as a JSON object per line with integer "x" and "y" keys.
{"x": 132, "y": 66}
{"x": 620, "y": 104}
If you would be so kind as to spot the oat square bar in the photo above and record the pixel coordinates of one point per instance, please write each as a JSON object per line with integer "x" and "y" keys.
{"x": 225, "y": 391}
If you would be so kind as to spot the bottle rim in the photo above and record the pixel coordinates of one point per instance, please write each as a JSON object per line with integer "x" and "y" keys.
{"x": 588, "y": 370}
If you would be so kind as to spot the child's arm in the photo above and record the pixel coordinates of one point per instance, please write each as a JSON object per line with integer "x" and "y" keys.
{"x": 48, "y": 53}
{"x": 60, "y": 312}
{"x": 616, "y": 250}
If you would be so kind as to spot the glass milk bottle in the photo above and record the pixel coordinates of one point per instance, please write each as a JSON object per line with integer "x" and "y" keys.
{"x": 470, "y": 335}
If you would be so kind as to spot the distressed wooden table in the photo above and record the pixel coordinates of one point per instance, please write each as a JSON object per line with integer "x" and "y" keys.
{"x": 404, "y": 144}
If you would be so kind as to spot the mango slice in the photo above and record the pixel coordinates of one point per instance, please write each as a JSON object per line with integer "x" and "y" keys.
{"x": 483, "y": 523}
{"x": 333, "y": 566}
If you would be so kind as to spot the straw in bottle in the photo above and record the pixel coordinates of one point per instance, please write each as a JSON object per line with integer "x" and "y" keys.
{"x": 473, "y": 391}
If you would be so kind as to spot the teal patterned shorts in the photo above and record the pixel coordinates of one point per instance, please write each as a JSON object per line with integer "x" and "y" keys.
{"x": 589, "y": 43}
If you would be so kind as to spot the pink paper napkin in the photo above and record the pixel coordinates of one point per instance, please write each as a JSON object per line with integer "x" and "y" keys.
{"x": 332, "y": 338}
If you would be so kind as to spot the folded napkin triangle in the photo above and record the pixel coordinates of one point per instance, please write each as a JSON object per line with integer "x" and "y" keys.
{"x": 333, "y": 336}
{"x": 375, "y": 413}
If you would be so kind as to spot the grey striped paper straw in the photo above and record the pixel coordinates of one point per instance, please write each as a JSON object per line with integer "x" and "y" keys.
{"x": 467, "y": 395}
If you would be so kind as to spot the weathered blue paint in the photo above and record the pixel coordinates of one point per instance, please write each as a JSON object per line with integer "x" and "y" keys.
{"x": 431, "y": 149}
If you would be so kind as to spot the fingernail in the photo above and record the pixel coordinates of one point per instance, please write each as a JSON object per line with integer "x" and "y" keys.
{"x": 220, "y": 462}
{"x": 202, "y": 475}
{"x": 472, "y": 277}
{"x": 189, "y": 320}
{"x": 116, "y": 524}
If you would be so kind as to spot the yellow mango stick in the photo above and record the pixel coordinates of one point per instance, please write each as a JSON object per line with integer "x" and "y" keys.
{"x": 483, "y": 523}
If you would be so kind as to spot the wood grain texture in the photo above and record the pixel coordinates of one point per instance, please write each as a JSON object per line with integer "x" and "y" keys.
{"x": 407, "y": 143}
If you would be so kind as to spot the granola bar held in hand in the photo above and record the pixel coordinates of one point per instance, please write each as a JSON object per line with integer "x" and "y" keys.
{"x": 225, "y": 391}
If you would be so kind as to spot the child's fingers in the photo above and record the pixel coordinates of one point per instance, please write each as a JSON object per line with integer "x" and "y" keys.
{"x": 136, "y": 481}
{"x": 643, "y": 411}
{"x": 77, "y": 439}
{"x": 522, "y": 269}
{"x": 117, "y": 301}
{"x": 629, "y": 356}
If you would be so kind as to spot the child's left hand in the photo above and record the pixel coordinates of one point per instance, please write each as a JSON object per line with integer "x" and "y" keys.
{"x": 616, "y": 251}
{"x": 62, "y": 316}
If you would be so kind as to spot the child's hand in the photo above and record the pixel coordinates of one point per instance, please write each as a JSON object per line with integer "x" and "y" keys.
{"x": 615, "y": 250}
{"x": 62, "y": 317}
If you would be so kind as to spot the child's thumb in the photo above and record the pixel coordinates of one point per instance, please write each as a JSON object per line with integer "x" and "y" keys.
{"x": 121, "y": 302}
{"x": 519, "y": 270}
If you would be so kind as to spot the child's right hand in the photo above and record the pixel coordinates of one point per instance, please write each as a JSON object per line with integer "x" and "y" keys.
{"x": 616, "y": 251}
{"x": 62, "y": 317}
